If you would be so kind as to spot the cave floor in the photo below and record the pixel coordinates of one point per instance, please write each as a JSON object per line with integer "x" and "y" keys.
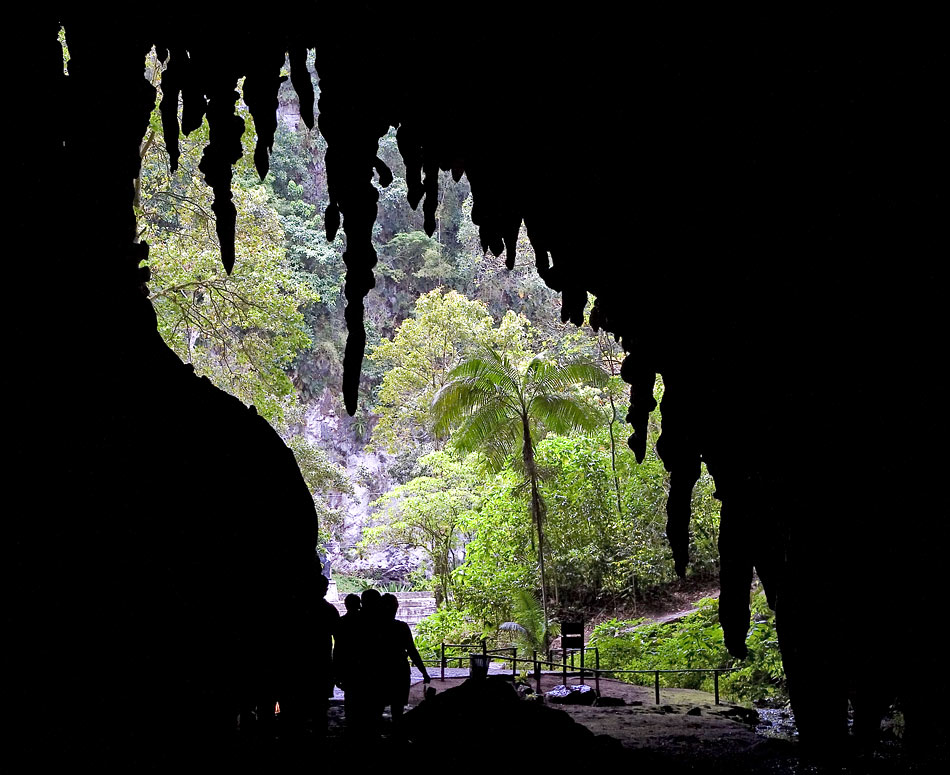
{"x": 687, "y": 732}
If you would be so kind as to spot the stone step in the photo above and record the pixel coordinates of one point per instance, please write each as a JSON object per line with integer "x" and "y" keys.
{"x": 413, "y": 612}
{"x": 415, "y": 619}
{"x": 413, "y": 606}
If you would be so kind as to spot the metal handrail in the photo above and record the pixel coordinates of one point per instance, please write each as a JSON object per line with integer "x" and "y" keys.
{"x": 595, "y": 672}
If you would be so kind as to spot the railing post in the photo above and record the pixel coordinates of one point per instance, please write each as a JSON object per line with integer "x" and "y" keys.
{"x": 514, "y": 663}
{"x": 656, "y": 686}
{"x": 716, "y": 684}
{"x": 537, "y": 673}
{"x": 442, "y": 662}
{"x": 484, "y": 647}
{"x": 597, "y": 670}
{"x": 582, "y": 665}
{"x": 564, "y": 666}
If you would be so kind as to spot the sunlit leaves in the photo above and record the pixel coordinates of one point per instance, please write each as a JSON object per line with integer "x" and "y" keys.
{"x": 241, "y": 330}
{"x": 444, "y": 330}
{"x": 696, "y": 642}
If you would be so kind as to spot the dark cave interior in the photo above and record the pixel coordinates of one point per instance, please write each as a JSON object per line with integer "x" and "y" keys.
{"x": 771, "y": 236}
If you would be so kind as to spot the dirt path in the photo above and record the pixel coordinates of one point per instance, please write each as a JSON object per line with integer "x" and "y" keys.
{"x": 673, "y": 616}
{"x": 687, "y": 727}
{"x": 677, "y": 601}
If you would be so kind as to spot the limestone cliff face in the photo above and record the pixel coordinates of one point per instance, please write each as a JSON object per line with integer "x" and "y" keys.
{"x": 328, "y": 427}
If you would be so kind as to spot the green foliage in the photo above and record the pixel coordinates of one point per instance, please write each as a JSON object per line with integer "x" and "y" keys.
{"x": 441, "y": 302}
{"x": 499, "y": 408}
{"x": 498, "y": 556}
{"x": 520, "y": 290}
{"x": 241, "y": 330}
{"x": 530, "y": 628}
{"x": 444, "y": 330}
{"x": 347, "y": 584}
{"x": 61, "y": 37}
{"x": 696, "y": 642}
{"x": 425, "y": 514}
{"x": 604, "y": 514}
{"x": 394, "y": 586}
{"x": 447, "y": 625}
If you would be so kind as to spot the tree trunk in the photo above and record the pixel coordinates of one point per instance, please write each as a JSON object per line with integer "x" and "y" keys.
{"x": 528, "y": 455}
{"x": 613, "y": 451}
{"x": 441, "y": 589}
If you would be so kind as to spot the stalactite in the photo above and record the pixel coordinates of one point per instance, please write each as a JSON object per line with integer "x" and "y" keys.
{"x": 410, "y": 149}
{"x": 430, "y": 184}
{"x": 678, "y": 448}
{"x": 300, "y": 80}
{"x": 223, "y": 151}
{"x": 642, "y": 381}
{"x": 352, "y": 125}
{"x": 736, "y": 569}
{"x": 260, "y": 94}
{"x": 171, "y": 91}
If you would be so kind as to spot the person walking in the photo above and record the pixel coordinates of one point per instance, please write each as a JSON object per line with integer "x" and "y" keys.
{"x": 398, "y": 649}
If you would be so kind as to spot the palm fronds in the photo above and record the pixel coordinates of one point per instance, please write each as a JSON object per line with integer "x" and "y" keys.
{"x": 532, "y": 631}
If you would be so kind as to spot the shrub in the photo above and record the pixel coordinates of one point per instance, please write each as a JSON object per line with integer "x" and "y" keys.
{"x": 447, "y": 625}
{"x": 696, "y": 642}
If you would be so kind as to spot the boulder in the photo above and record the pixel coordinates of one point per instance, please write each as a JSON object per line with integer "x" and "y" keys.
{"x": 572, "y": 695}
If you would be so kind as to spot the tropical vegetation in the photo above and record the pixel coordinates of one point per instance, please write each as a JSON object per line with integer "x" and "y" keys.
{"x": 506, "y": 484}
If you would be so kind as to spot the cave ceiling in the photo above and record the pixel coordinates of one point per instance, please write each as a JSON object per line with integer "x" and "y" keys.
{"x": 754, "y": 213}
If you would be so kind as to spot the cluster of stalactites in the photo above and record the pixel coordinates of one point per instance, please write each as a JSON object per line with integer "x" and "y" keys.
{"x": 353, "y": 117}
{"x": 205, "y": 80}
{"x": 352, "y": 139}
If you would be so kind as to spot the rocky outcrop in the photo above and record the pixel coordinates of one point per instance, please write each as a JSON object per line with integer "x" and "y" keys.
{"x": 368, "y": 471}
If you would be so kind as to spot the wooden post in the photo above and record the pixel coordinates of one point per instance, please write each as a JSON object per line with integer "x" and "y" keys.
{"x": 582, "y": 665}
{"x": 442, "y": 662}
{"x": 656, "y": 685}
{"x": 564, "y": 666}
{"x": 537, "y": 673}
{"x": 514, "y": 663}
{"x": 716, "y": 684}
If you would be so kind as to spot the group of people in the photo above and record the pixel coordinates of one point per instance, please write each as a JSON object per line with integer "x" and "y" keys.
{"x": 366, "y": 652}
{"x": 370, "y": 658}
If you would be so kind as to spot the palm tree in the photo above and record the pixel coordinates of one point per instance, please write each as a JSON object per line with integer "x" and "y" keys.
{"x": 529, "y": 623}
{"x": 501, "y": 410}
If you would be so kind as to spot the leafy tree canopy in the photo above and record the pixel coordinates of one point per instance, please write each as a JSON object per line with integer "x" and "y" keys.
{"x": 444, "y": 330}
{"x": 427, "y": 512}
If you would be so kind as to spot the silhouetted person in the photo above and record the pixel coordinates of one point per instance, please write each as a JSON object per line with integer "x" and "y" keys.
{"x": 326, "y": 625}
{"x": 397, "y": 646}
{"x": 360, "y": 668}
{"x": 346, "y": 643}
